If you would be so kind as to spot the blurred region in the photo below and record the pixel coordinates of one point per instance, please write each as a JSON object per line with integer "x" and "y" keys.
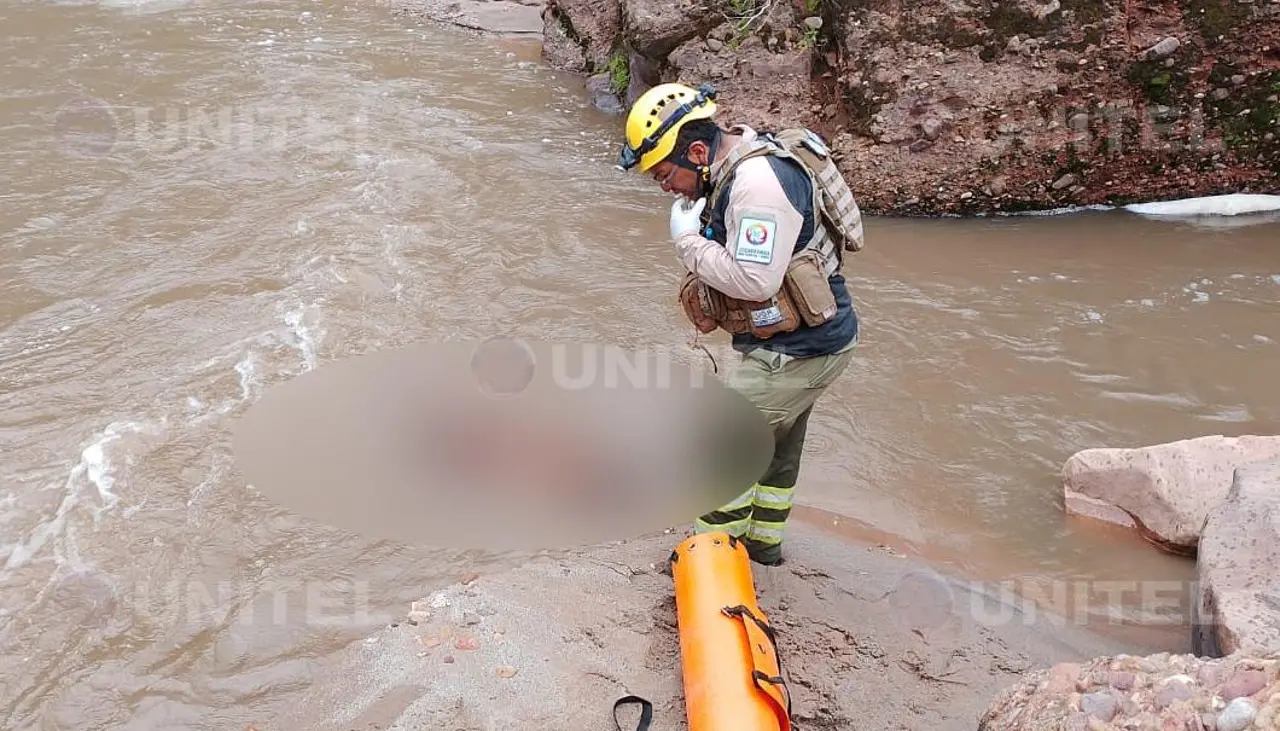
{"x": 502, "y": 444}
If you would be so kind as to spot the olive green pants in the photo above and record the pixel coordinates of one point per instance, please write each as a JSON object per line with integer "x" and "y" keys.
{"x": 785, "y": 390}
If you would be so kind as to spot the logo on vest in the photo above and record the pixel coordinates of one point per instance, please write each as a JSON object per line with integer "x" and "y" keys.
{"x": 755, "y": 241}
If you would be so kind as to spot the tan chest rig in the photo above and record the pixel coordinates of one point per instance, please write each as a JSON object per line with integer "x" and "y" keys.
{"x": 805, "y": 296}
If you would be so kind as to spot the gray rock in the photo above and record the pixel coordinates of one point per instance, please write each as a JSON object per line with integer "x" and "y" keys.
{"x": 1164, "y": 48}
{"x": 1237, "y": 716}
{"x": 1064, "y": 181}
{"x": 1175, "y": 690}
{"x": 932, "y": 127}
{"x": 813, "y": 22}
{"x": 1238, "y": 79}
{"x": 1238, "y": 552}
{"x": 1100, "y": 705}
{"x": 1122, "y": 680}
{"x": 1243, "y": 683}
{"x": 1049, "y": 8}
{"x": 655, "y": 28}
{"x": 1219, "y": 94}
{"x": 714, "y": 45}
{"x": 602, "y": 97}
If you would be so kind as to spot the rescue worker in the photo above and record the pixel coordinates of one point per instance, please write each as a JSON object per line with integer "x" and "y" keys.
{"x": 740, "y": 220}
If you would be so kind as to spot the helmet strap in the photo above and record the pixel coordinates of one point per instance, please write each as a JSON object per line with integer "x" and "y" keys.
{"x": 703, "y": 171}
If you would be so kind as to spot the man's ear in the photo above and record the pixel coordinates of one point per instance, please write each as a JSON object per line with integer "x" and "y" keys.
{"x": 698, "y": 152}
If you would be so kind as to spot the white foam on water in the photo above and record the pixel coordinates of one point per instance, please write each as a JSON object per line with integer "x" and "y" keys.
{"x": 96, "y": 468}
{"x": 1233, "y": 204}
{"x": 1064, "y": 211}
{"x": 145, "y": 6}
{"x": 306, "y": 337}
{"x": 248, "y": 372}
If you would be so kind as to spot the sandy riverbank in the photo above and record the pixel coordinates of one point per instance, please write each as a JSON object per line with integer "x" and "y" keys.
{"x": 869, "y": 639}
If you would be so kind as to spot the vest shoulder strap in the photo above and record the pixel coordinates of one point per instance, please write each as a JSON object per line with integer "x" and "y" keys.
{"x": 735, "y": 158}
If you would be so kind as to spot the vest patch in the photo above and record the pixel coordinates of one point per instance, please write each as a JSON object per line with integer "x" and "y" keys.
{"x": 755, "y": 240}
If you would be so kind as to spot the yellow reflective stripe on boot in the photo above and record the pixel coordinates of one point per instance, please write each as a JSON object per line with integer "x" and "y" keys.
{"x": 769, "y": 534}
{"x": 732, "y": 518}
{"x": 736, "y": 528}
{"x": 774, "y": 498}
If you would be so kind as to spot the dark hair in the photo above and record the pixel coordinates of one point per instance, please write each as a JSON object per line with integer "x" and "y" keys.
{"x": 699, "y": 130}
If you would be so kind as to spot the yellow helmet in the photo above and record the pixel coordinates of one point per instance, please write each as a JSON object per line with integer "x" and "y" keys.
{"x": 656, "y": 118}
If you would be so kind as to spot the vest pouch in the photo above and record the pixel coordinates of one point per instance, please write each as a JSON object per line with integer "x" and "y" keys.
{"x": 701, "y": 304}
{"x": 763, "y": 319}
{"x": 809, "y": 289}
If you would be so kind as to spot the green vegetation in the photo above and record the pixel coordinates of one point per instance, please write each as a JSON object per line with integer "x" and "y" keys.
{"x": 619, "y": 72}
{"x": 809, "y": 40}
{"x": 1155, "y": 81}
{"x": 1007, "y": 21}
{"x": 1249, "y": 113}
{"x": 744, "y": 15}
{"x": 1215, "y": 18}
{"x": 1087, "y": 12}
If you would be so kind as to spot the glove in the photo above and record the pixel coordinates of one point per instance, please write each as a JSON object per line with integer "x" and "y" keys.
{"x": 685, "y": 218}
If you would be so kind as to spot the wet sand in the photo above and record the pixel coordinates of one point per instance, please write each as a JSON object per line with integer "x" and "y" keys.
{"x": 869, "y": 639}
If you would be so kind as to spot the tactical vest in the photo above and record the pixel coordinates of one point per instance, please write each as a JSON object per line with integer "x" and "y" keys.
{"x": 837, "y": 220}
{"x": 812, "y": 312}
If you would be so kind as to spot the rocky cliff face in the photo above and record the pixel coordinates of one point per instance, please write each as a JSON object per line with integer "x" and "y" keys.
{"x": 968, "y": 106}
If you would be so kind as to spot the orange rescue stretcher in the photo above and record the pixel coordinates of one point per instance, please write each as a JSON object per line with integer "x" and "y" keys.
{"x": 729, "y": 656}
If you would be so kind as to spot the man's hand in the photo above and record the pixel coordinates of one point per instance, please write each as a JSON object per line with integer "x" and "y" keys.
{"x": 684, "y": 218}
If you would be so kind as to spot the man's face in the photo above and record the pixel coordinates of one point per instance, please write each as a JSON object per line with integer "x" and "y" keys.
{"x": 675, "y": 179}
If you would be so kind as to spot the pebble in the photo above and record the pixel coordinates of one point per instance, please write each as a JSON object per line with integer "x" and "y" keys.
{"x": 1209, "y": 674}
{"x": 1237, "y": 716}
{"x": 1121, "y": 680}
{"x": 813, "y": 21}
{"x": 1243, "y": 683}
{"x": 1164, "y": 48}
{"x": 506, "y": 671}
{"x": 1100, "y": 705}
{"x": 1177, "y": 690}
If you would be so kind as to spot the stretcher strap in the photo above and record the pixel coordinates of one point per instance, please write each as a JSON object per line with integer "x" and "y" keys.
{"x": 646, "y": 712}
{"x": 764, "y": 655}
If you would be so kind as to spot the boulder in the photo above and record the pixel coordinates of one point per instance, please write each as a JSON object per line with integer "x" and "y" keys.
{"x": 655, "y": 28}
{"x": 1158, "y": 692}
{"x": 1238, "y": 609}
{"x": 591, "y": 26}
{"x": 1165, "y": 491}
{"x": 602, "y": 95}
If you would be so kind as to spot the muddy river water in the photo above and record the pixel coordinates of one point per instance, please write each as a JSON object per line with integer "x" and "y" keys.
{"x": 202, "y": 199}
